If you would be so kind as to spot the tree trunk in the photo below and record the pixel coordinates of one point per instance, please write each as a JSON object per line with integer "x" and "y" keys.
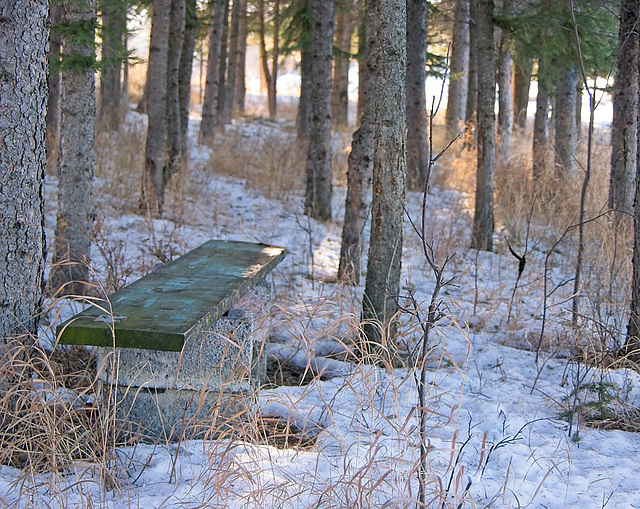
{"x": 270, "y": 74}
{"x": 360, "y": 162}
{"x": 361, "y": 57}
{"x": 53, "y": 106}
{"x": 212, "y": 85}
{"x": 240, "y": 92}
{"x": 379, "y": 303}
{"x": 505, "y": 96}
{"x": 565, "y": 123}
{"x": 224, "y": 59}
{"x": 459, "y": 75}
{"x": 175, "y": 159}
{"x": 340, "y": 91}
{"x": 624, "y": 128}
{"x": 186, "y": 69}
{"x": 319, "y": 187}
{"x": 472, "y": 87}
{"x": 541, "y": 130}
{"x": 23, "y": 100}
{"x": 232, "y": 68}
{"x": 74, "y": 223}
{"x": 114, "y": 20}
{"x": 483, "y": 219}
{"x": 152, "y": 197}
{"x": 522, "y": 84}
{"x": 417, "y": 147}
{"x": 304, "y": 104}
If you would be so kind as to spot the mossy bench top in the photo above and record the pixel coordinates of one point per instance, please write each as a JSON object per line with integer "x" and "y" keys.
{"x": 160, "y": 310}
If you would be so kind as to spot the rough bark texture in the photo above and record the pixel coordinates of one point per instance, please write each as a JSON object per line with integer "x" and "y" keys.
{"x": 483, "y": 217}
{"x": 459, "y": 69}
{"x": 240, "y": 92}
{"x": 175, "y": 159}
{"x": 360, "y": 163}
{"x": 212, "y": 85}
{"x": 304, "y": 104}
{"x": 186, "y": 69}
{"x": 566, "y": 139}
{"x": 379, "y": 304}
{"x": 319, "y": 187}
{"x": 417, "y": 147}
{"x": 114, "y": 19}
{"x": 472, "y": 87}
{"x": 74, "y": 223}
{"x": 340, "y": 91}
{"x": 224, "y": 58}
{"x": 505, "y": 96}
{"x": 53, "y": 107}
{"x": 624, "y": 128}
{"x": 232, "y": 68}
{"x": 522, "y": 84}
{"x": 23, "y": 101}
{"x": 541, "y": 132}
{"x": 153, "y": 179}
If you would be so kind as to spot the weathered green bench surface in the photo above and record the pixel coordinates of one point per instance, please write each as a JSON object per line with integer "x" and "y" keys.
{"x": 160, "y": 310}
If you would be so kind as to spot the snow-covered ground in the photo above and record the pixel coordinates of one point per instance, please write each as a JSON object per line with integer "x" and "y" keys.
{"x": 496, "y": 436}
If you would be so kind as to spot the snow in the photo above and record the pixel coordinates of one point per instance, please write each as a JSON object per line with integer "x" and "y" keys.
{"x": 495, "y": 433}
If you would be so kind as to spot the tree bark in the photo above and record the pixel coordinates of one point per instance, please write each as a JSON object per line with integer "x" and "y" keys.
{"x": 360, "y": 163}
{"x": 522, "y": 84}
{"x": 505, "y": 96}
{"x": 565, "y": 123}
{"x": 340, "y": 91}
{"x": 483, "y": 221}
{"x": 240, "y": 93}
{"x": 361, "y": 57}
{"x": 319, "y": 185}
{"x": 152, "y": 197}
{"x": 224, "y": 59}
{"x": 23, "y": 100}
{"x": 541, "y": 130}
{"x": 53, "y": 107}
{"x": 472, "y": 87}
{"x": 186, "y": 70}
{"x": 209, "y": 120}
{"x": 459, "y": 74}
{"x": 74, "y": 223}
{"x": 624, "y": 128}
{"x": 232, "y": 68}
{"x": 417, "y": 147}
{"x": 379, "y": 303}
{"x": 114, "y": 20}
{"x": 270, "y": 74}
{"x": 175, "y": 160}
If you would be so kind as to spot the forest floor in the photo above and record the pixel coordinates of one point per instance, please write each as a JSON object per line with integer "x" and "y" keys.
{"x": 511, "y": 409}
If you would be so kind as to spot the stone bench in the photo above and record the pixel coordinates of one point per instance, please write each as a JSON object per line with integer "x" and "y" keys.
{"x": 178, "y": 356}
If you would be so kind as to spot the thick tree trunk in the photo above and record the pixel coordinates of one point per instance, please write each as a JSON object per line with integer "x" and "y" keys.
{"x": 304, "y": 104}
{"x": 53, "y": 107}
{"x": 459, "y": 75}
{"x": 175, "y": 159}
{"x": 624, "y": 128}
{"x": 340, "y": 91}
{"x": 360, "y": 163}
{"x": 209, "y": 120}
{"x": 417, "y": 147}
{"x": 379, "y": 303}
{"x": 74, "y": 223}
{"x": 361, "y": 57}
{"x": 186, "y": 69}
{"x": 240, "y": 93}
{"x": 232, "y": 68}
{"x": 522, "y": 84}
{"x": 319, "y": 186}
{"x": 114, "y": 20}
{"x": 541, "y": 131}
{"x": 472, "y": 87}
{"x": 224, "y": 59}
{"x": 505, "y": 96}
{"x": 23, "y": 101}
{"x": 152, "y": 197}
{"x": 483, "y": 219}
{"x": 566, "y": 142}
